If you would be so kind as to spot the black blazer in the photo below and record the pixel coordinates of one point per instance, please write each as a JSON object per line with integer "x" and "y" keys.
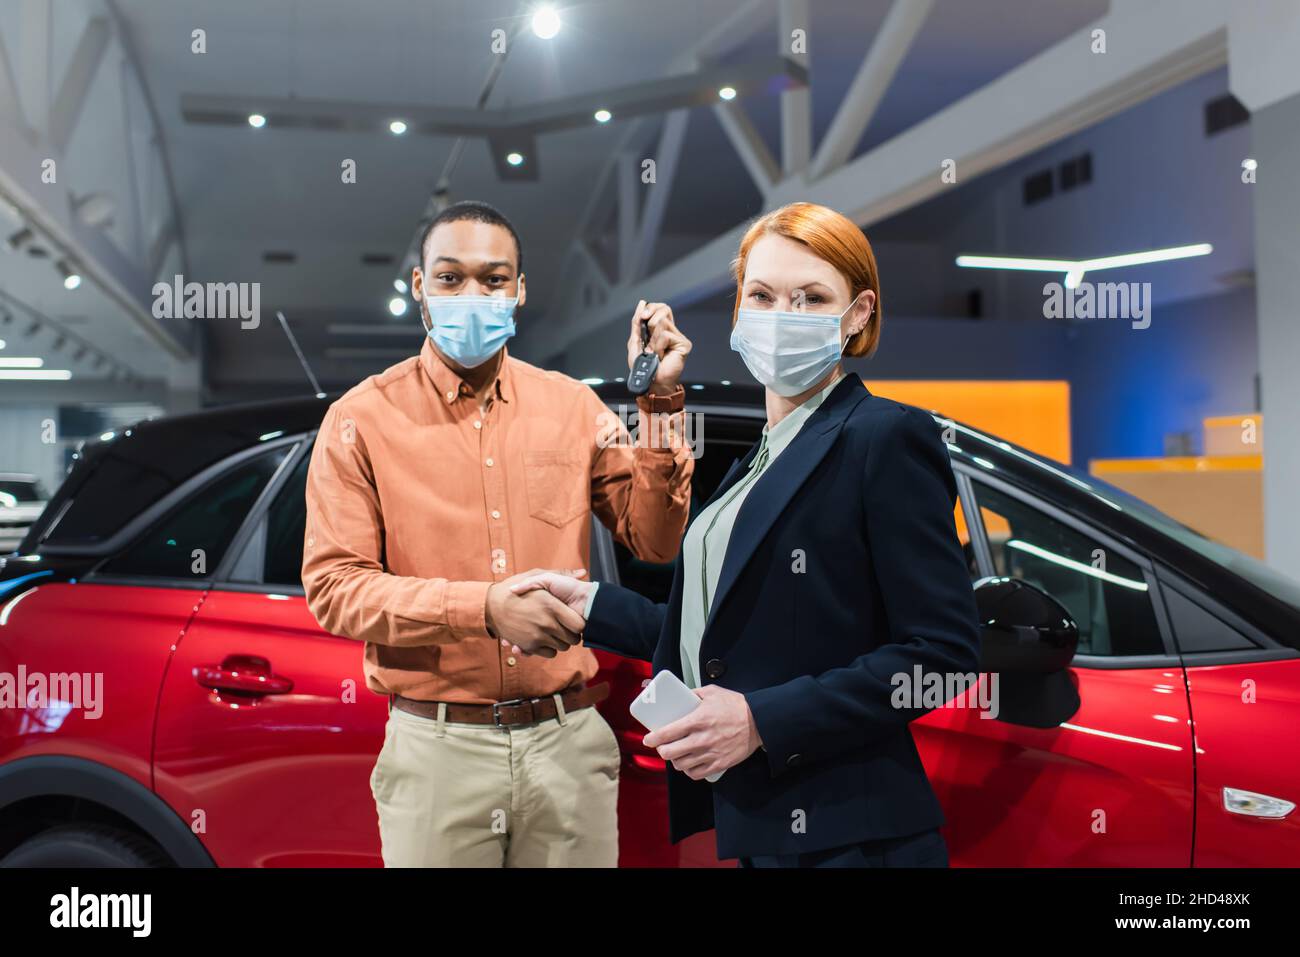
{"x": 843, "y": 570}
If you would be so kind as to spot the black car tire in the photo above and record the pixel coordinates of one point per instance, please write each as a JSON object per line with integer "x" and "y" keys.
{"x": 86, "y": 845}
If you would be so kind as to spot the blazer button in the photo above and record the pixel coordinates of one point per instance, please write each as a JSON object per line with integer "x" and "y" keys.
{"x": 715, "y": 668}
{"x": 793, "y": 760}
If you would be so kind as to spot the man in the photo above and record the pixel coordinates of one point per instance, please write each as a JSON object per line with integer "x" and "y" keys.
{"x": 433, "y": 487}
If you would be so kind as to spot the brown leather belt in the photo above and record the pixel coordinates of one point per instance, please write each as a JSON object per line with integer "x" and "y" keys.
{"x": 507, "y": 714}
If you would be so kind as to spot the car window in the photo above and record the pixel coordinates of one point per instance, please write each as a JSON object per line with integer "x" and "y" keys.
{"x": 1198, "y": 630}
{"x": 724, "y": 441}
{"x": 189, "y": 542}
{"x": 286, "y": 523}
{"x": 1105, "y": 593}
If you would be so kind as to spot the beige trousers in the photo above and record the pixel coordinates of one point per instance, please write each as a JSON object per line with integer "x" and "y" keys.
{"x": 469, "y": 795}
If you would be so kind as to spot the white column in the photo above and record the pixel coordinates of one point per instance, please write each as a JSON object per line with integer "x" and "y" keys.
{"x": 1275, "y": 141}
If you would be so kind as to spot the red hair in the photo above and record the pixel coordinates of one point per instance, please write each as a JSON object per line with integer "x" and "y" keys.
{"x": 831, "y": 237}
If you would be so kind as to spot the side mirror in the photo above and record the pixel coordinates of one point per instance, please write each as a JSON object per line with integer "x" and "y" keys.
{"x": 1024, "y": 629}
{"x": 1028, "y": 640}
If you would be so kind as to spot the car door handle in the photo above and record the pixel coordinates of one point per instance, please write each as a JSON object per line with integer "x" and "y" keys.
{"x": 245, "y": 674}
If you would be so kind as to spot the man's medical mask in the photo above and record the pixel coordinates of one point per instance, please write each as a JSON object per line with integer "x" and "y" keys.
{"x": 469, "y": 330}
{"x": 788, "y": 351}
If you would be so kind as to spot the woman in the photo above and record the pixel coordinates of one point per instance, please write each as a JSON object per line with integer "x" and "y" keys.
{"x": 824, "y": 574}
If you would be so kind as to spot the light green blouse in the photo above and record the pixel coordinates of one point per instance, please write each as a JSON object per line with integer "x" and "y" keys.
{"x": 705, "y": 546}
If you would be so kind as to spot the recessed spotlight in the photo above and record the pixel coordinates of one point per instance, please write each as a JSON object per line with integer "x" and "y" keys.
{"x": 546, "y": 22}
{"x": 397, "y": 127}
{"x": 727, "y": 93}
{"x": 515, "y": 159}
{"x": 397, "y": 306}
{"x": 604, "y": 116}
{"x": 256, "y": 120}
{"x": 71, "y": 279}
{"x": 400, "y": 285}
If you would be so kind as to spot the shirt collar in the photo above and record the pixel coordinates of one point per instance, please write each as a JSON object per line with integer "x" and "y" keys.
{"x": 451, "y": 386}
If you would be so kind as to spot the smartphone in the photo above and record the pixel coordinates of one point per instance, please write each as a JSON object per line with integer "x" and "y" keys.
{"x": 664, "y": 700}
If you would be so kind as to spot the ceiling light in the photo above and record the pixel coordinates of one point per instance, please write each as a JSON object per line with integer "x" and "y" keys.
{"x": 604, "y": 116}
{"x": 22, "y": 362}
{"x": 3, "y": 343}
{"x": 397, "y": 306}
{"x": 727, "y": 93}
{"x": 515, "y": 159}
{"x": 71, "y": 279}
{"x": 397, "y": 127}
{"x": 1074, "y": 269}
{"x": 30, "y": 374}
{"x": 1249, "y": 164}
{"x": 546, "y": 22}
{"x": 400, "y": 285}
{"x": 256, "y": 120}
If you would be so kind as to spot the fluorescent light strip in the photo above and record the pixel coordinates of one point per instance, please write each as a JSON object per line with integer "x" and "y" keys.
{"x": 29, "y": 374}
{"x": 1013, "y": 262}
{"x": 1074, "y": 269}
{"x": 22, "y": 362}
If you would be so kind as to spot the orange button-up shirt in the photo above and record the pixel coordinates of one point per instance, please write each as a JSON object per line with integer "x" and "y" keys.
{"x": 418, "y": 500}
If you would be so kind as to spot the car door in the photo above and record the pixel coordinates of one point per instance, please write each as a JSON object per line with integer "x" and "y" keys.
{"x": 1244, "y": 691}
{"x": 267, "y": 734}
{"x": 1110, "y": 786}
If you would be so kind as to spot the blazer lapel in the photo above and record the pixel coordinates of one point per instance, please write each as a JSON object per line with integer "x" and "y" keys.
{"x": 770, "y": 495}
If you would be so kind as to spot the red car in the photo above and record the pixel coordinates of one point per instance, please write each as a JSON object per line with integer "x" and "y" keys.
{"x": 172, "y": 700}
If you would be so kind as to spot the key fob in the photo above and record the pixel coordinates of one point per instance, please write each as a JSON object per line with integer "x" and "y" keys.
{"x": 644, "y": 367}
{"x": 643, "y": 373}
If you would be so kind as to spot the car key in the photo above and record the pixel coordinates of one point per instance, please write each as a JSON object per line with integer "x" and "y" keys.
{"x": 644, "y": 367}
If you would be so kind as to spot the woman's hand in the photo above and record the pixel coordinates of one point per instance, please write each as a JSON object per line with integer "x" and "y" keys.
{"x": 571, "y": 591}
{"x": 717, "y": 735}
{"x": 666, "y": 341}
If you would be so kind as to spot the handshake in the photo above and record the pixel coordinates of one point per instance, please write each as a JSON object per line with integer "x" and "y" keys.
{"x": 539, "y": 612}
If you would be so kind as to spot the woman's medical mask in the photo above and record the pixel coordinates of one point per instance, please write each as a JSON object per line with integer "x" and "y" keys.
{"x": 788, "y": 351}
{"x": 469, "y": 330}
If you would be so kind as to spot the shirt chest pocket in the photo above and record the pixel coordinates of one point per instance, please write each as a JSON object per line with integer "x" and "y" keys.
{"x": 559, "y": 487}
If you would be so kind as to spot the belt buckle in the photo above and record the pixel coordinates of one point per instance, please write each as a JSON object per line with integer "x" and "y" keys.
{"x": 497, "y": 705}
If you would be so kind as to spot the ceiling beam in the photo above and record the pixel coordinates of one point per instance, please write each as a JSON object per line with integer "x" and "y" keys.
{"x": 890, "y": 45}
{"x": 77, "y": 81}
{"x": 748, "y": 143}
{"x": 796, "y": 102}
{"x": 575, "y": 112}
{"x": 666, "y": 157}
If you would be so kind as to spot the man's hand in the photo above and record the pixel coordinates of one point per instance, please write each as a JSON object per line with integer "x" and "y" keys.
{"x": 564, "y": 587}
{"x": 717, "y": 735}
{"x": 666, "y": 341}
{"x": 535, "y": 622}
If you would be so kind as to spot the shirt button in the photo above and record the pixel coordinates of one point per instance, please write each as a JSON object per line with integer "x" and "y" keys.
{"x": 478, "y": 424}
{"x": 511, "y": 660}
{"x": 489, "y": 463}
{"x": 495, "y": 513}
{"x": 450, "y": 396}
{"x": 501, "y": 563}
